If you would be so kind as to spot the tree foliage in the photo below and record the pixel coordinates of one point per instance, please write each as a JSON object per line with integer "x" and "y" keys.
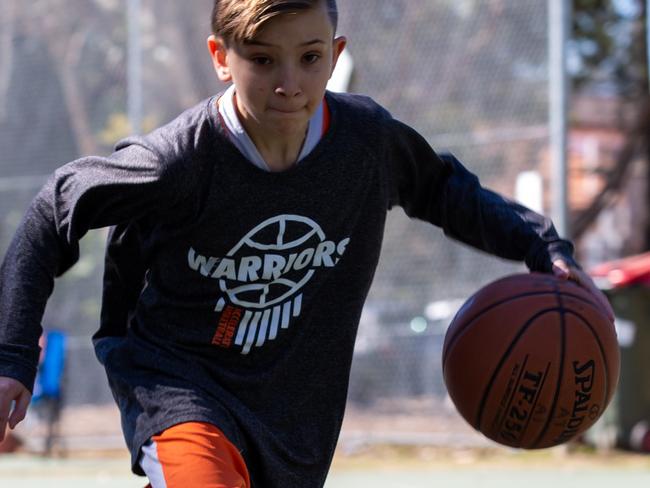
{"x": 609, "y": 47}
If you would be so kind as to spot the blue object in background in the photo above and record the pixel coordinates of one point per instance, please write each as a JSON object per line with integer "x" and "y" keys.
{"x": 50, "y": 371}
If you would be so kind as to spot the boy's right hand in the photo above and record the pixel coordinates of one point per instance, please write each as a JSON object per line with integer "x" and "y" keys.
{"x": 12, "y": 390}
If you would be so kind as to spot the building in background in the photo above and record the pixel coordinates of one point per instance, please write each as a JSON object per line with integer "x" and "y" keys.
{"x": 599, "y": 141}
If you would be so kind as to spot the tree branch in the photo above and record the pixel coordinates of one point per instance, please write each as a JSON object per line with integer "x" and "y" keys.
{"x": 636, "y": 144}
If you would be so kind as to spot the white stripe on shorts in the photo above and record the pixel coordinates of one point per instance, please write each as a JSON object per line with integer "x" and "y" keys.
{"x": 151, "y": 465}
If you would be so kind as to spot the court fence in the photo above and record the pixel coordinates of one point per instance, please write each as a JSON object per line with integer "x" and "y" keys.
{"x": 470, "y": 75}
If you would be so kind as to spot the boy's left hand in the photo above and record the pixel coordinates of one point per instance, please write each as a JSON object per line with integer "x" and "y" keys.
{"x": 562, "y": 270}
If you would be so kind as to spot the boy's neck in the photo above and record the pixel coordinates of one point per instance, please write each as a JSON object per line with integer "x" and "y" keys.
{"x": 280, "y": 151}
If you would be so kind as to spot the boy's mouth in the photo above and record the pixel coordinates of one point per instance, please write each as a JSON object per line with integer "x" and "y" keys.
{"x": 285, "y": 110}
{"x": 287, "y": 107}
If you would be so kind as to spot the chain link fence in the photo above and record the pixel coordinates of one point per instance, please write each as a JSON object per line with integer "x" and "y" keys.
{"x": 470, "y": 75}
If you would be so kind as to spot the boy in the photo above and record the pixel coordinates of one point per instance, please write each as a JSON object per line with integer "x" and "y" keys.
{"x": 247, "y": 234}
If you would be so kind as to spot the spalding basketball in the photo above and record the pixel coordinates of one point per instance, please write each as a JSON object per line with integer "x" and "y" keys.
{"x": 531, "y": 360}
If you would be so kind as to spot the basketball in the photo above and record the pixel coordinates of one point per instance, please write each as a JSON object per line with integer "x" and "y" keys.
{"x": 531, "y": 360}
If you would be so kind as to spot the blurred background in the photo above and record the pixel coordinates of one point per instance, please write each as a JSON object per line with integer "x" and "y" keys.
{"x": 547, "y": 101}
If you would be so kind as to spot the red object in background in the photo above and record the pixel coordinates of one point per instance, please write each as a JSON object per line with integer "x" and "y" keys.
{"x": 633, "y": 270}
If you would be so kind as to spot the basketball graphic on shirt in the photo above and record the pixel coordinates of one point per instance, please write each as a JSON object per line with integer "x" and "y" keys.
{"x": 274, "y": 261}
{"x": 262, "y": 277}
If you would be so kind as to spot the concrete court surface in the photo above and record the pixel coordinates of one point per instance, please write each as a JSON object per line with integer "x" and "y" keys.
{"x": 25, "y": 471}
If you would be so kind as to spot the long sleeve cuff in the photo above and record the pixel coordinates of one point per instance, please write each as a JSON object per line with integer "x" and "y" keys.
{"x": 542, "y": 258}
{"x": 19, "y": 363}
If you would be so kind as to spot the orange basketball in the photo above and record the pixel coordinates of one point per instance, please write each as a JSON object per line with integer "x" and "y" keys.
{"x": 531, "y": 361}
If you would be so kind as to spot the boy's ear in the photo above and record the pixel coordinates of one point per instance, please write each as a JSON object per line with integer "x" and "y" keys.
{"x": 337, "y": 48}
{"x": 219, "y": 55}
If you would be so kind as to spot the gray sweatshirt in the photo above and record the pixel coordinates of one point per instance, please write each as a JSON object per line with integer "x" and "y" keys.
{"x": 233, "y": 295}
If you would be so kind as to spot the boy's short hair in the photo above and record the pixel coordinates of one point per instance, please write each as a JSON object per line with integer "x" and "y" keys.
{"x": 240, "y": 20}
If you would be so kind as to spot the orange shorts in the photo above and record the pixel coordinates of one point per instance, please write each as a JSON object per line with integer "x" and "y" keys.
{"x": 193, "y": 455}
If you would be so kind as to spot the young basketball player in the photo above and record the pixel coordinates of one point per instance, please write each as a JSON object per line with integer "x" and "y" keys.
{"x": 247, "y": 234}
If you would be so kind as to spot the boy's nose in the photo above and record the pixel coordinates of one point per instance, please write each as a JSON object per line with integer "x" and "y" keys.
{"x": 288, "y": 84}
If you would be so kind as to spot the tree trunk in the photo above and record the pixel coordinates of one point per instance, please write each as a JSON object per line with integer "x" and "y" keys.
{"x": 74, "y": 94}
{"x": 7, "y": 19}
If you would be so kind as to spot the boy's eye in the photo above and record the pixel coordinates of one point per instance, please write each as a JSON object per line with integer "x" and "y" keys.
{"x": 311, "y": 58}
{"x": 261, "y": 60}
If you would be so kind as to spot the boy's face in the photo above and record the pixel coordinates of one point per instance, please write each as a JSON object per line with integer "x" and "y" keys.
{"x": 282, "y": 73}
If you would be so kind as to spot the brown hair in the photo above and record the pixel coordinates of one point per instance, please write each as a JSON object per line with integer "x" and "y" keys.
{"x": 242, "y": 19}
